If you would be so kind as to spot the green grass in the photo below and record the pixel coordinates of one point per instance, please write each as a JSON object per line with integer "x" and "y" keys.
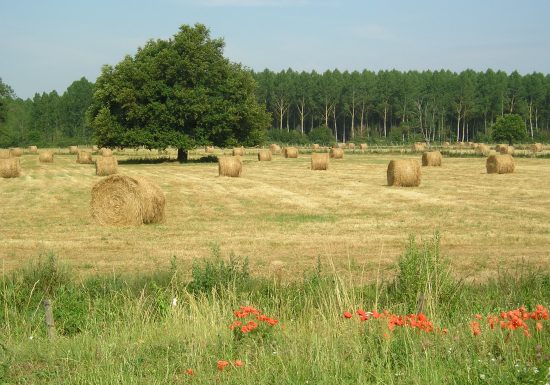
{"x": 115, "y": 329}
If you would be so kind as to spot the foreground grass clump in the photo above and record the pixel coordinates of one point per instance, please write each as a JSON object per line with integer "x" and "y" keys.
{"x": 228, "y": 326}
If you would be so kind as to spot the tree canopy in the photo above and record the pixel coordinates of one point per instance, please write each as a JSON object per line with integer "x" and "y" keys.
{"x": 509, "y": 128}
{"x": 180, "y": 92}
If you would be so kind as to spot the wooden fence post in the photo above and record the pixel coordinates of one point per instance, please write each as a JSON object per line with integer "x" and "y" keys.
{"x": 50, "y": 325}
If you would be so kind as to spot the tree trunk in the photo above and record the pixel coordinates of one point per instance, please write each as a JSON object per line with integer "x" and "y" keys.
{"x": 182, "y": 155}
{"x": 531, "y": 118}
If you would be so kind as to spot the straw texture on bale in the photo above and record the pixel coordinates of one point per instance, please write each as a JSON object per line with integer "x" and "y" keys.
{"x": 404, "y": 172}
{"x": 73, "y": 150}
{"x": 506, "y": 150}
{"x": 84, "y": 157}
{"x": 94, "y": 148}
{"x": 10, "y": 168}
{"x": 121, "y": 200}
{"x": 106, "y": 165}
{"x": 33, "y": 149}
{"x": 45, "y": 157}
{"x": 106, "y": 152}
{"x": 499, "y": 146}
{"x": 351, "y": 146}
{"x": 209, "y": 149}
{"x": 500, "y": 164}
{"x": 16, "y": 152}
{"x": 275, "y": 148}
{"x": 264, "y": 155}
{"x": 4, "y": 154}
{"x": 315, "y": 146}
{"x": 419, "y": 146}
{"x": 363, "y": 146}
{"x": 230, "y": 166}
{"x": 319, "y": 161}
{"x": 483, "y": 149}
{"x": 536, "y": 147}
{"x": 336, "y": 153}
{"x": 291, "y": 152}
{"x": 238, "y": 151}
{"x": 431, "y": 158}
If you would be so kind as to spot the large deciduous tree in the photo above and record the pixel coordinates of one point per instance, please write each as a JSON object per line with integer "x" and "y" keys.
{"x": 180, "y": 92}
{"x": 509, "y": 128}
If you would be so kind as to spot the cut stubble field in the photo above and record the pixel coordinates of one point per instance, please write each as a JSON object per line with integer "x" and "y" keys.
{"x": 281, "y": 210}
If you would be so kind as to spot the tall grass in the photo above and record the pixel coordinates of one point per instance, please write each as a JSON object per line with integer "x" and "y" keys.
{"x": 151, "y": 329}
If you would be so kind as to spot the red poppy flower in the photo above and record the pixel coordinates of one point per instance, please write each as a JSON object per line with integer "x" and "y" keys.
{"x": 222, "y": 364}
{"x": 190, "y": 372}
{"x": 239, "y": 363}
{"x": 539, "y": 326}
{"x": 347, "y": 314}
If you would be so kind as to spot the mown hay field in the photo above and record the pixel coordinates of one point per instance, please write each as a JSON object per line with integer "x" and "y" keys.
{"x": 282, "y": 210}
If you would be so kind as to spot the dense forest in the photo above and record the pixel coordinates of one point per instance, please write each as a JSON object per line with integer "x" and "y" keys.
{"x": 384, "y": 106}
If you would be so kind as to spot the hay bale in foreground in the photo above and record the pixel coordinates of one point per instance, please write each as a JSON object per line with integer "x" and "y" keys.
{"x": 45, "y": 156}
{"x": 315, "y": 146}
{"x": 432, "y": 158}
{"x": 230, "y": 166}
{"x": 264, "y": 155}
{"x": 363, "y": 146}
{"x": 73, "y": 149}
{"x": 290, "y": 152}
{"x": 238, "y": 151}
{"x": 4, "y": 153}
{"x": 419, "y": 147}
{"x": 404, "y": 172}
{"x": 84, "y": 157}
{"x": 16, "y": 152}
{"x": 536, "y": 147}
{"x": 106, "y": 165}
{"x": 336, "y": 153}
{"x": 33, "y": 149}
{"x": 500, "y": 164}
{"x": 483, "y": 149}
{"x": 319, "y": 161}
{"x": 275, "y": 148}
{"x": 10, "y": 168}
{"x": 106, "y": 152}
{"x": 121, "y": 200}
{"x": 507, "y": 150}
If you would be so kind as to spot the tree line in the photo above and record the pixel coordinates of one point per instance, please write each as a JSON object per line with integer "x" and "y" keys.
{"x": 385, "y": 106}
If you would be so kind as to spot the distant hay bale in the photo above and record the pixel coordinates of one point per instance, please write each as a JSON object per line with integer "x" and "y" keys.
{"x": 33, "y": 149}
{"x": 290, "y": 152}
{"x": 470, "y": 144}
{"x": 446, "y": 144}
{"x": 461, "y": 144}
{"x": 16, "y": 152}
{"x": 45, "y": 156}
{"x": 419, "y": 147}
{"x": 106, "y": 152}
{"x": 404, "y": 172}
{"x": 341, "y": 145}
{"x": 483, "y": 149}
{"x": 10, "y": 167}
{"x": 106, "y": 165}
{"x": 363, "y": 146}
{"x": 264, "y": 155}
{"x": 336, "y": 153}
{"x": 351, "y": 146}
{"x": 4, "y": 153}
{"x": 73, "y": 150}
{"x": 499, "y": 146}
{"x": 230, "y": 166}
{"x": 84, "y": 157}
{"x": 500, "y": 164}
{"x": 431, "y": 158}
{"x": 315, "y": 146}
{"x": 121, "y": 200}
{"x": 319, "y": 161}
{"x": 238, "y": 151}
{"x": 536, "y": 147}
{"x": 275, "y": 149}
{"x": 94, "y": 148}
{"x": 209, "y": 149}
{"x": 506, "y": 150}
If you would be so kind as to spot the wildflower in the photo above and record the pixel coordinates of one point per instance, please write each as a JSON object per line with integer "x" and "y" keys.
{"x": 476, "y": 329}
{"x": 539, "y": 326}
{"x": 347, "y": 314}
{"x": 222, "y": 364}
{"x": 445, "y": 330}
{"x": 239, "y": 363}
{"x": 190, "y": 372}
{"x": 479, "y": 316}
{"x": 245, "y": 329}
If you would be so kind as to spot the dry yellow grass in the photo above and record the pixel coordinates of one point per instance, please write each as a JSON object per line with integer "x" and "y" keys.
{"x": 268, "y": 214}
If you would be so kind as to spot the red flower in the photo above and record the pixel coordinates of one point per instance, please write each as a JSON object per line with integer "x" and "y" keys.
{"x": 239, "y": 363}
{"x": 190, "y": 372}
{"x": 222, "y": 364}
{"x": 347, "y": 314}
{"x": 445, "y": 330}
{"x": 539, "y": 326}
{"x": 245, "y": 329}
{"x": 479, "y": 316}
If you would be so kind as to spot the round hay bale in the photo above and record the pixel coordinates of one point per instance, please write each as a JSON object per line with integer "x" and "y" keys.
{"x": 483, "y": 149}
{"x": 230, "y": 166}
{"x": 509, "y": 150}
{"x": 446, "y": 144}
{"x": 209, "y": 149}
{"x": 264, "y": 155}
{"x": 336, "y": 153}
{"x": 275, "y": 148}
{"x": 45, "y": 156}
{"x": 536, "y": 147}
{"x": 404, "y": 172}
{"x": 4, "y": 153}
{"x": 431, "y": 158}
{"x": 461, "y": 144}
{"x": 121, "y": 200}
{"x": 363, "y": 146}
{"x": 340, "y": 145}
{"x": 73, "y": 150}
{"x": 290, "y": 152}
{"x": 16, "y": 152}
{"x": 33, "y": 149}
{"x": 238, "y": 151}
{"x": 94, "y": 148}
{"x": 106, "y": 165}
{"x": 106, "y": 152}
{"x": 351, "y": 146}
{"x": 84, "y": 157}
{"x": 10, "y": 168}
{"x": 315, "y": 146}
{"x": 319, "y": 161}
{"x": 500, "y": 164}
{"x": 419, "y": 147}
{"x": 499, "y": 146}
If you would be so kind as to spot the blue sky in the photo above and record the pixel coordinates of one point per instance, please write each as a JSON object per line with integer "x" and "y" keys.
{"x": 46, "y": 45}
